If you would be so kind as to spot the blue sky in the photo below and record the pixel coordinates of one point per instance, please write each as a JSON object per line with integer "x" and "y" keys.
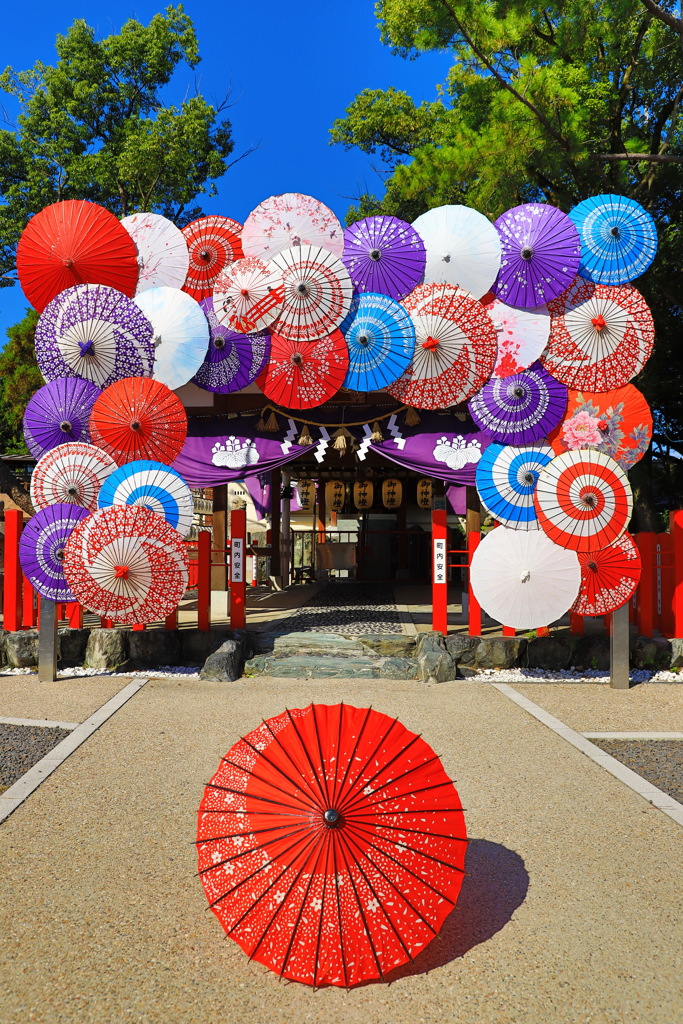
{"x": 293, "y": 67}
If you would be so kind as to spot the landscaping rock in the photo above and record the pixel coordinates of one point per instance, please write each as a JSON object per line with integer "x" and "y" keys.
{"x": 107, "y": 648}
{"x": 261, "y": 643}
{"x": 71, "y": 646}
{"x": 3, "y": 646}
{"x": 553, "y": 653}
{"x": 306, "y": 667}
{"x": 320, "y": 644}
{"x": 434, "y": 663}
{"x": 462, "y": 648}
{"x": 500, "y": 651}
{"x": 654, "y": 653}
{"x": 224, "y": 665}
{"x": 256, "y": 666}
{"x": 390, "y": 645}
{"x": 152, "y": 648}
{"x": 197, "y": 644}
{"x": 677, "y": 653}
{"x": 397, "y": 668}
{"x": 592, "y": 652}
{"x": 22, "y": 648}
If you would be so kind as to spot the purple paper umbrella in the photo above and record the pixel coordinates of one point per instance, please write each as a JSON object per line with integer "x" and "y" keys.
{"x": 521, "y": 408}
{"x": 232, "y": 360}
{"x": 96, "y": 333}
{"x": 58, "y": 413}
{"x": 384, "y": 254}
{"x": 41, "y": 549}
{"x": 541, "y": 252}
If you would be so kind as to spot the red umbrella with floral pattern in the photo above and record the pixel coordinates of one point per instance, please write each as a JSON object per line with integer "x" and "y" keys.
{"x": 300, "y": 375}
{"x": 609, "y": 577}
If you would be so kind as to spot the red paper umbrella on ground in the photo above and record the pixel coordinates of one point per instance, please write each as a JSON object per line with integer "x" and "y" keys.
{"x": 213, "y": 243}
{"x": 331, "y": 844}
{"x": 455, "y": 348}
{"x": 303, "y": 374}
{"x": 583, "y": 500}
{"x": 127, "y": 563}
{"x": 600, "y": 335}
{"x": 139, "y": 418}
{"x": 609, "y": 577}
{"x": 74, "y": 242}
{"x": 618, "y": 423}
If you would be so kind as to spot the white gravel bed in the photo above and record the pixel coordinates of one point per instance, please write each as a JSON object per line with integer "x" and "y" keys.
{"x": 537, "y": 675}
{"x": 71, "y": 673}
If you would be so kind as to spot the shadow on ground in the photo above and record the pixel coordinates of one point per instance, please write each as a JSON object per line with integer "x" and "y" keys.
{"x": 495, "y": 885}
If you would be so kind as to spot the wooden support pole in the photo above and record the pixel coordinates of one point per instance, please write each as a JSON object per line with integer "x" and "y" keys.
{"x": 275, "y": 555}
{"x": 204, "y": 580}
{"x": 47, "y": 642}
{"x": 439, "y": 570}
{"x": 677, "y": 534}
{"x": 618, "y": 649}
{"x": 238, "y": 557}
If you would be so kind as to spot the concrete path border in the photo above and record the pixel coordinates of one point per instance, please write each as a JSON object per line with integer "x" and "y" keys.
{"x": 657, "y": 797}
{"x": 29, "y": 782}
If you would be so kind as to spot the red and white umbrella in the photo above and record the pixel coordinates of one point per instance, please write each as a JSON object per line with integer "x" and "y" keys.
{"x": 248, "y": 296}
{"x": 213, "y": 243}
{"x": 291, "y": 219}
{"x": 522, "y": 579}
{"x": 163, "y": 258}
{"x": 317, "y": 292}
{"x": 609, "y": 577}
{"x": 583, "y": 500}
{"x": 522, "y": 335}
{"x": 600, "y": 335}
{"x": 127, "y": 564}
{"x": 455, "y": 348}
{"x": 302, "y": 375}
{"x": 70, "y": 473}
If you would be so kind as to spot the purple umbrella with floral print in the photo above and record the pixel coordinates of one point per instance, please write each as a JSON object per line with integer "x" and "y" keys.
{"x": 96, "y": 333}
{"x": 521, "y": 408}
{"x": 232, "y": 360}
{"x": 384, "y": 254}
{"x": 541, "y": 252}
{"x": 41, "y": 549}
{"x": 58, "y": 413}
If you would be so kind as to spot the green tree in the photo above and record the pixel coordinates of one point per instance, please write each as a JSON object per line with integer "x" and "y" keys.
{"x": 95, "y": 126}
{"x": 550, "y": 103}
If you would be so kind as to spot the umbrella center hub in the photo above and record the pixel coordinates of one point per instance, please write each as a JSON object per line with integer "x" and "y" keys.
{"x": 65, "y": 427}
{"x": 593, "y": 566}
{"x": 430, "y": 344}
{"x": 363, "y": 340}
{"x": 529, "y": 477}
{"x": 121, "y": 572}
{"x": 303, "y": 289}
{"x": 296, "y": 359}
{"x": 156, "y": 340}
{"x": 72, "y": 491}
{"x": 59, "y": 554}
{"x": 135, "y": 425}
{"x": 86, "y": 347}
{"x": 589, "y": 500}
{"x": 205, "y": 255}
{"x": 68, "y": 264}
{"x": 375, "y": 254}
{"x": 219, "y": 343}
{"x": 527, "y": 253}
{"x": 295, "y": 239}
{"x": 518, "y": 391}
{"x": 599, "y": 322}
{"x": 614, "y": 232}
{"x": 331, "y": 817}
{"x": 525, "y": 576}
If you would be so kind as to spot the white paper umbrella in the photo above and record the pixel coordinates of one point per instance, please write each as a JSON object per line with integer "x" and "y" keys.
{"x": 181, "y": 334}
{"x": 317, "y": 292}
{"x": 463, "y": 248}
{"x": 522, "y": 579}
{"x": 522, "y": 335}
{"x": 247, "y": 296}
{"x": 163, "y": 257}
{"x": 287, "y": 220}
{"x": 72, "y": 473}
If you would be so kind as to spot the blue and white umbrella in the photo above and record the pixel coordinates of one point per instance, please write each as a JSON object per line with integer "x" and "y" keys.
{"x": 506, "y": 481}
{"x": 618, "y": 239}
{"x": 180, "y": 334}
{"x": 154, "y": 486}
{"x": 381, "y": 342}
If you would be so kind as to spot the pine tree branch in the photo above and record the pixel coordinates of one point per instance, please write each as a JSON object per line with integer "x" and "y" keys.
{"x": 656, "y": 158}
{"x": 663, "y": 16}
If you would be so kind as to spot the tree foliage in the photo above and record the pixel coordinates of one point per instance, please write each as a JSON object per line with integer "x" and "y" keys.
{"x": 94, "y": 126}
{"x": 547, "y": 103}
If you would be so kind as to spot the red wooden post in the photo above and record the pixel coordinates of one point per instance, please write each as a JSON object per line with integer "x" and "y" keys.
{"x": 542, "y": 631}
{"x": 439, "y": 571}
{"x": 13, "y": 575}
{"x": 204, "y": 580}
{"x": 646, "y": 589}
{"x": 138, "y": 626}
{"x": 677, "y": 533}
{"x": 474, "y": 606}
{"x": 171, "y": 621}
{"x": 509, "y": 631}
{"x": 28, "y": 604}
{"x": 106, "y": 623}
{"x": 576, "y": 624}
{"x": 74, "y": 613}
{"x": 238, "y": 551}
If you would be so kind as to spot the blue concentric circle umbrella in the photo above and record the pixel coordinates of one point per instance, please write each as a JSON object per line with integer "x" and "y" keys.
{"x": 506, "y": 481}
{"x": 154, "y": 486}
{"x": 381, "y": 343}
{"x": 41, "y": 549}
{"x": 618, "y": 239}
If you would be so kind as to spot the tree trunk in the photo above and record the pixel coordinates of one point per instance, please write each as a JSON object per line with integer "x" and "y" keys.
{"x": 16, "y": 490}
{"x": 645, "y": 517}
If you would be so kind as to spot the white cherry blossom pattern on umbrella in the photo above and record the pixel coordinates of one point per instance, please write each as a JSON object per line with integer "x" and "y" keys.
{"x": 455, "y": 348}
{"x": 289, "y": 220}
{"x": 600, "y": 335}
{"x": 317, "y": 292}
{"x": 71, "y": 473}
{"x": 522, "y": 335}
{"x": 163, "y": 258}
{"x": 300, "y": 375}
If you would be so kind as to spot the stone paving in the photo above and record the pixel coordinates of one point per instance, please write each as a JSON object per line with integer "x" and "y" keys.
{"x": 348, "y": 607}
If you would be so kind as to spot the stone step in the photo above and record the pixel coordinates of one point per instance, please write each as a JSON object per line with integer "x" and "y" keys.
{"x": 324, "y": 644}
{"x": 319, "y": 666}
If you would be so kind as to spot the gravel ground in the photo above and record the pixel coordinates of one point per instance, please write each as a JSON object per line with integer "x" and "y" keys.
{"x": 348, "y": 608}
{"x": 658, "y": 761}
{"x": 21, "y": 746}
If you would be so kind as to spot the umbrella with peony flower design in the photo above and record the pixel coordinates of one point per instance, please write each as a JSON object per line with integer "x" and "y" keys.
{"x": 331, "y": 844}
{"x": 618, "y": 423}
